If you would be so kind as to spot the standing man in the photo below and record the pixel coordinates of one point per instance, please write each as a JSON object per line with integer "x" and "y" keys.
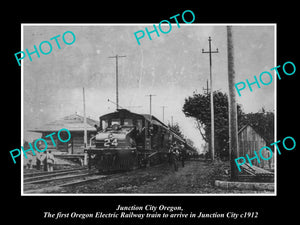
{"x": 174, "y": 153}
{"x": 44, "y": 160}
{"x": 29, "y": 161}
{"x": 38, "y": 161}
{"x": 182, "y": 154}
{"x": 50, "y": 161}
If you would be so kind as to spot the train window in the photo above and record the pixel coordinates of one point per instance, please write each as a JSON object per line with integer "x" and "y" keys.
{"x": 115, "y": 121}
{"x": 104, "y": 124}
{"x": 128, "y": 122}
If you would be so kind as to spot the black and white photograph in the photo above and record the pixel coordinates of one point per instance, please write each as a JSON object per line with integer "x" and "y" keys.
{"x": 149, "y": 113}
{"x": 136, "y": 114}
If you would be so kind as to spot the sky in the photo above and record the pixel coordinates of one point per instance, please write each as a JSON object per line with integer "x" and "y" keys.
{"x": 171, "y": 67}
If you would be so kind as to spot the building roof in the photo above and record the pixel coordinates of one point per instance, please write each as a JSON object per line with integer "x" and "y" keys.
{"x": 256, "y": 131}
{"x": 72, "y": 122}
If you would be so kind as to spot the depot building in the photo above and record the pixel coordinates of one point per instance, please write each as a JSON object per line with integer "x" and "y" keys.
{"x": 75, "y": 124}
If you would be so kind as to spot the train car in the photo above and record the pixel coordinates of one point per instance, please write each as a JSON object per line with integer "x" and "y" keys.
{"x": 127, "y": 140}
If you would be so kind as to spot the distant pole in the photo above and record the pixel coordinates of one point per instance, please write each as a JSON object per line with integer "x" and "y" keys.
{"x": 117, "y": 78}
{"x": 211, "y": 100}
{"x": 163, "y": 112}
{"x": 233, "y": 124}
{"x": 148, "y": 134}
{"x": 150, "y": 106}
{"x": 85, "y": 128}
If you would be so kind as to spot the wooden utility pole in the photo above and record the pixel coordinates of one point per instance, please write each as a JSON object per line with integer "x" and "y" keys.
{"x": 233, "y": 125}
{"x": 206, "y": 89}
{"x": 117, "y": 78}
{"x": 85, "y": 128}
{"x": 148, "y": 139}
{"x": 211, "y": 99}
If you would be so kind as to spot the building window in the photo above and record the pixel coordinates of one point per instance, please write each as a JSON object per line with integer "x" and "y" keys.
{"x": 128, "y": 122}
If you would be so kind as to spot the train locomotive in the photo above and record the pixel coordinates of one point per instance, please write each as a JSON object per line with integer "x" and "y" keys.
{"x": 127, "y": 140}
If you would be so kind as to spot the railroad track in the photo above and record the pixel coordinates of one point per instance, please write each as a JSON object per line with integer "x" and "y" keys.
{"x": 26, "y": 175}
{"x": 31, "y": 178}
{"x": 45, "y": 182}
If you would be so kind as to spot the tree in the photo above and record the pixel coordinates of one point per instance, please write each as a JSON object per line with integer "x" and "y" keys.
{"x": 198, "y": 107}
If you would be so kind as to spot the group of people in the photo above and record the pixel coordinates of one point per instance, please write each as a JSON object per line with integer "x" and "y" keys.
{"x": 44, "y": 160}
{"x": 177, "y": 153}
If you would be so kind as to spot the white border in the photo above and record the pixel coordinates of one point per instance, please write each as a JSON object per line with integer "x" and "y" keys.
{"x": 22, "y": 110}
{"x": 149, "y": 24}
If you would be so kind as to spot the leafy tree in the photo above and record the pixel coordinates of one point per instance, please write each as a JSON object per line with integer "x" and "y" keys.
{"x": 198, "y": 107}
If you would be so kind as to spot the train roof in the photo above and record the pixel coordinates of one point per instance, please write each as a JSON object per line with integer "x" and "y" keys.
{"x": 154, "y": 120}
{"x": 124, "y": 113}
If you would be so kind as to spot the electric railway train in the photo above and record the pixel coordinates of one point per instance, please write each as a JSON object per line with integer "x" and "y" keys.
{"x": 127, "y": 141}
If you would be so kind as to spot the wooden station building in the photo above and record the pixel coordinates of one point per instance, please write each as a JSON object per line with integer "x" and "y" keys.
{"x": 249, "y": 141}
{"x": 75, "y": 124}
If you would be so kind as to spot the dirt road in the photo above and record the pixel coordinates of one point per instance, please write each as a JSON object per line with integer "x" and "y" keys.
{"x": 196, "y": 177}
